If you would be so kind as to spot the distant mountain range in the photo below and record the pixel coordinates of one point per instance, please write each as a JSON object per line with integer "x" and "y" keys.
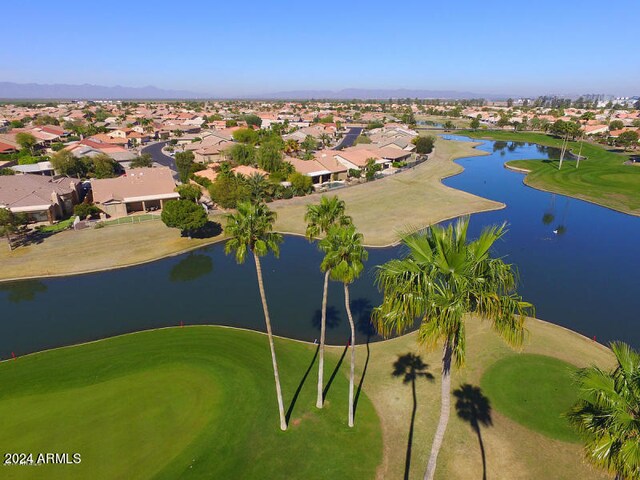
{"x": 373, "y": 94}
{"x": 33, "y": 91}
{"x": 37, "y": 91}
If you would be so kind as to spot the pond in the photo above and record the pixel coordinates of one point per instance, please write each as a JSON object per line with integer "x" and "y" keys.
{"x": 582, "y": 277}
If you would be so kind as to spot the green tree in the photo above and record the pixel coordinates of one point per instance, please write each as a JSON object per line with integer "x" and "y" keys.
{"x": 189, "y": 192}
{"x": 228, "y": 190}
{"x": 291, "y": 146}
{"x": 616, "y": 125}
{"x": 257, "y": 186}
{"x": 245, "y": 135}
{"x": 26, "y": 141}
{"x": 475, "y": 123}
{"x": 424, "y": 145}
{"x": 184, "y": 164}
{"x": 143, "y": 161}
{"x": 103, "y": 166}
{"x": 10, "y": 223}
{"x": 320, "y": 218}
{"x": 241, "y": 153}
{"x": 184, "y": 215}
{"x": 269, "y": 156}
{"x": 65, "y": 163}
{"x": 325, "y": 139}
{"x": 251, "y": 230}
{"x": 301, "y": 184}
{"x": 443, "y": 280}
{"x": 628, "y": 138}
{"x": 449, "y": 125}
{"x": 607, "y": 413}
{"x": 253, "y": 120}
{"x": 309, "y": 144}
{"x": 371, "y": 168}
{"x": 345, "y": 257}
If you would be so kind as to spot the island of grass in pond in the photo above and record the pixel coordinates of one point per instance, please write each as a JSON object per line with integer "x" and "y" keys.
{"x": 195, "y": 402}
{"x": 602, "y": 177}
{"x": 535, "y": 391}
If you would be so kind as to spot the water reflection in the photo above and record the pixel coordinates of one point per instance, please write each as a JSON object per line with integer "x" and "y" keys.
{"x": 24, "y": 291}
{"x": 192, "y": 267}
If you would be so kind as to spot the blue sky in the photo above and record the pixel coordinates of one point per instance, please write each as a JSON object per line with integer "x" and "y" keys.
{"x": 247, "y": 47}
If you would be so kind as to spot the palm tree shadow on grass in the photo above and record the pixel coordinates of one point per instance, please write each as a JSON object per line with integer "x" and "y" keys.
{"x": 410, "y": 367}
{"x": 294, "y": 399}
{"x": 325, "y": 392}
{"x": 475, "y": 408}
{"x": 362, "y": 308}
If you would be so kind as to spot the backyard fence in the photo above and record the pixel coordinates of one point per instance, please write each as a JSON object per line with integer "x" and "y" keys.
{"x": 131, "y": 219}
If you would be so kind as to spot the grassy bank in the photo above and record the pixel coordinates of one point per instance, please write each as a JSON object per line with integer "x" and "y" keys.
{"x": 411, "y": 199}
{"x": 601, "y": 178}
{"x": 182, "y": 403}
{"x": 408, "y": 200}
{"x": 198, "y": 402}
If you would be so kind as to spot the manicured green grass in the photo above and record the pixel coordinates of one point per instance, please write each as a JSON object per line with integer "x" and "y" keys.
{"x": 57, "y": 227}
{"x": 193, "y": 402}
{"x": 601, "y": 178}
{"x": 535, "y": 391}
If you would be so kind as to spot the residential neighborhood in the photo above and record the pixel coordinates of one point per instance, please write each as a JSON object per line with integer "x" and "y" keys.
{"x": 335, "y": 241}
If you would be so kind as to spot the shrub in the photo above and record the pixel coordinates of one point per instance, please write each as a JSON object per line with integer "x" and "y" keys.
{"x": 84, "y": 210}
{"x": 300, "y": 184}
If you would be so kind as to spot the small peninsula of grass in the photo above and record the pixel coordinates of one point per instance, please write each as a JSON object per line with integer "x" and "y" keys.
{"x": 601, "y": 178}
{"x": 535, "y": 391}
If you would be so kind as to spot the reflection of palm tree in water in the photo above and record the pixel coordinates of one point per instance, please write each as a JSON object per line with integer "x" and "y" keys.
{"x": 561, "y": 229}
{"x": 549, "y": 215}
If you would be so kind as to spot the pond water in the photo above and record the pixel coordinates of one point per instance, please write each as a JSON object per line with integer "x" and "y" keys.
{"x": 582, "y": 277}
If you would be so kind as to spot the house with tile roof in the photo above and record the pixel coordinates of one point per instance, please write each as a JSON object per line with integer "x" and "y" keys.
{"x": 41, "y": 198}
{"x": 138, "y": 190}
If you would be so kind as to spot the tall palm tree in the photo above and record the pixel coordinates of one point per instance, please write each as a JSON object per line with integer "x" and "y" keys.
{"x": 319, "y": 218}
{"x": 441, "y": 281}
{"x": 607, "y": 413}
{"x": 344, "y": 259}
{"x": 251, "y": 229}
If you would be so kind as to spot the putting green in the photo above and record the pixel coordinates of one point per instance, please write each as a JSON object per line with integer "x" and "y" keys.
{"x": 535, "y": 391}
{"x": 194, "y": 402}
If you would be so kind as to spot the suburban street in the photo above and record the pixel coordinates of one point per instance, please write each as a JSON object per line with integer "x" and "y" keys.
{"x": 155, "y": 150}
{"x": 349, "y": 139}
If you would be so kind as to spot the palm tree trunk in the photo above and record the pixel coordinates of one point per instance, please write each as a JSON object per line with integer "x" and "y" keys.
{"x": 579, "y": 152}
{"x": 267, "y": 320}
{"x": 564, "y": 146}
{"x": 445, "y": 407}
{"x": 323, "y": 327}
{"x": 353, "y": 352}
